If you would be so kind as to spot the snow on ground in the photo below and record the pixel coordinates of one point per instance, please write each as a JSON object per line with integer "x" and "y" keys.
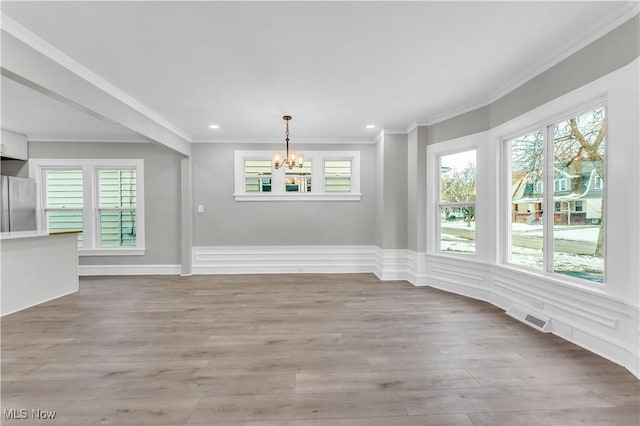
{"x": 583, "y": 266}
{"x": 586, "y": 233}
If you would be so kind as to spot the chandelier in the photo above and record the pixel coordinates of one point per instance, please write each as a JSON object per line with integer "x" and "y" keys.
{"x": 292, "y": 158}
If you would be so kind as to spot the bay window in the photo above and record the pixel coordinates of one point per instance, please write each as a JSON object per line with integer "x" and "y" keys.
{"x": 569, "y": 156}
{"x": 457, "y": 202}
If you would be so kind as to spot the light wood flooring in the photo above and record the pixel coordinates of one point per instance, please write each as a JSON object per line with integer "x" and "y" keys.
{"x": 285, "y": 350}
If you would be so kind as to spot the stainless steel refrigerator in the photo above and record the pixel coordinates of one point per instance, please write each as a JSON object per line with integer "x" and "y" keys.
{"x": 18, "y": 204}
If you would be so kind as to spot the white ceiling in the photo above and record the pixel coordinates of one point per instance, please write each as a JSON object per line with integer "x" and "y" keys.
{"x": 43, "y": 118}
{"x": 334, "y": 66}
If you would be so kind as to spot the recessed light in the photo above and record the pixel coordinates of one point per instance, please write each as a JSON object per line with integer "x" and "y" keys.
{"x": 371, "y": 126}
{"x": 214, "y": 126}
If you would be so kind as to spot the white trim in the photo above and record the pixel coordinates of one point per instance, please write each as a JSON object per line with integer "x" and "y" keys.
{"x": 272, "y": 141}
{"x": 283, "y": 259}
{"x": 597, "y": 322}
{"x": 317, "y": 193}
{"x": 51, "y": 52}
{"x": 434, "y": 153}
{"x": 90, "y": 209}
{"x": 298, "y": 196}
{"x": 102, "y": 251}
{"x": 544, "y": 65}
{"x": 37, "y": 137}
{"x": 89, "y": 270}
{"x": 577, "y": 44}
{"x": 392, "y": 264}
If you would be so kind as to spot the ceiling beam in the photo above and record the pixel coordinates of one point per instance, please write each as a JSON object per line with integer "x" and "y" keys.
{"x": 28, "y": 63}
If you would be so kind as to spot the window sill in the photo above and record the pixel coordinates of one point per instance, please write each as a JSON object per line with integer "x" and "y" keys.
{"x": 297, "y": 197}
{"x": 112, "y": 252}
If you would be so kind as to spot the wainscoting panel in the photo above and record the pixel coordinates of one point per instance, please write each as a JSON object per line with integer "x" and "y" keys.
{"x": 89, "y": 270}
{"x": 589, "y": 318}
{"x": 283, "y": 259}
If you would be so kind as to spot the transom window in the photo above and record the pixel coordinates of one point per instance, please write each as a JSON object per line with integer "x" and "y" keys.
{"x": 325, "y": 175}
{"x": 257, "y": 175}
{"x": 298, "y": 179}
{"x": 100, "y": 198}
{"x": 337, "y": 175}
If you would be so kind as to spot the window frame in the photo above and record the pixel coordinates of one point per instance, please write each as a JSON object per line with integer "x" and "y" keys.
{"x": 440, "y": 204}
{"x": 598, "y": 183}
{"x": 91, "y": 205}
{"x": 278, "y": 190}
{"x": 45, "y": 200}
{"x": 547, "y": 126}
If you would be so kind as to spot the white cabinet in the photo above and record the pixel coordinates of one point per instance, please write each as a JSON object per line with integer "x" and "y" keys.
{"x": 14, "y": 145}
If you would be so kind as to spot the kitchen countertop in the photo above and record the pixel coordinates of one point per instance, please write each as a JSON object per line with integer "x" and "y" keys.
{"x": 31, "y": 234}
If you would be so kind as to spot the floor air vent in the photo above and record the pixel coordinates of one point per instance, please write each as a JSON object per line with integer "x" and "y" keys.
{"x": 534, "y": 320}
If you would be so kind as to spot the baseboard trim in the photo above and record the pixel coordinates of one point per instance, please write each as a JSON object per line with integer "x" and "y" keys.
{"x": 283, "y": 259}
{"x": 93, "y": 270}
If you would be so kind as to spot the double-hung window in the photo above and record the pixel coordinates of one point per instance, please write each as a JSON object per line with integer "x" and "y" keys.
{"x": 64, "y": 200}
{"x": 569, "y": 156}
{"x": 337, "y": 175}
{"x": 324, "y": 175}
{"x": 102, "y": 199}
{"x": 457, "y": 202}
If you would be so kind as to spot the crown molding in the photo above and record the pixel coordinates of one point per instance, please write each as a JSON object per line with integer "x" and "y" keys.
{"x": 553, "y": 59}
{"x": 79, "y": 139}
{"x": 394, "y": 131}
{"x": 43, "y": 47}
{"x": 269, "y": 141}
{"x": 578, "y": 43}
{"x": 411, "y": 126}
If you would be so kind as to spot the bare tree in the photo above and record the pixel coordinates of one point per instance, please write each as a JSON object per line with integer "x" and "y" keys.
{"x": 578, "y": 146}
{"x": 460, "y": 187}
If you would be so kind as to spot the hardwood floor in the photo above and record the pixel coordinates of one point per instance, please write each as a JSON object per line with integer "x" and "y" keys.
{"x": 292, "y": 350}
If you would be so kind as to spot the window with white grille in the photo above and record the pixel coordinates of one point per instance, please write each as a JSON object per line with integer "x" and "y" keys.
{"x": 101, "y": 199}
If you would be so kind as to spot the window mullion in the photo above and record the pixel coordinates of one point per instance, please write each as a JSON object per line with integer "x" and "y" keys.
{"x": 548, "y": 201}
{"x": 278, "y": 178}
{"x": 90, "y": 210}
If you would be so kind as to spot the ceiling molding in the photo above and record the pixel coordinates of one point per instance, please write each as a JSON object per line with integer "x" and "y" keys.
{"x": 544, "y": 65}
{"x": 415, "y": 124}
{"x": 395, "y": 131}
{"x": 280, "y": 141}
{"x": 576, "y": 44}
{"x": 43, "y": 47}
{"x": 77, "y": 139}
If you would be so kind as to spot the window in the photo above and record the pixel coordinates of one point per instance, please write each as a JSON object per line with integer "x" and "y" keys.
{"x": 456, "y": 205}
{"x": 117, "y": 207}
{"x": 560, "y": 184}
{"x": 100, "y": 198}
{"x": 257, "y": 175}
{"x": 64, "y": 201}
{"x": 572, "y": 151}
{"x": 337, "y": 175}
{"x": 526, "y": 208}
{"x": 325, "y": 175}
{"x": 298, "y": 179}
{"x": 598, "y": 182}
